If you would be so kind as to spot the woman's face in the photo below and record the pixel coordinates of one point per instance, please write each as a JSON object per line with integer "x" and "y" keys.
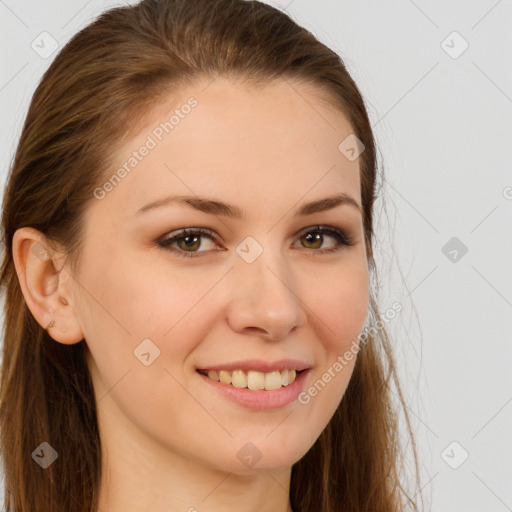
{"x": 260, "y": 292}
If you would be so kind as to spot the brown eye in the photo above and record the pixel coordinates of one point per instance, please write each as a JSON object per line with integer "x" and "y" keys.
{"x": 187, "y": 241}
{"x": 314, "y": 238}
{"x": 190, "y": 242}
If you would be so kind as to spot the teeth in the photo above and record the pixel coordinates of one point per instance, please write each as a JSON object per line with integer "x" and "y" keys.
{"x": 252, "y": 379}
{"x": 256, "y": 380}
{"x": 239, "y": 379}
{"x": 214, "y": 375}
{"x": 273, "y": 380}
{"x": 225, "y": 377}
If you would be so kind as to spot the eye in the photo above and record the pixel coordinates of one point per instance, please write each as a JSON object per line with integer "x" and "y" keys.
{"x": 315, "y": 237}
{"x": 187, "y": 242}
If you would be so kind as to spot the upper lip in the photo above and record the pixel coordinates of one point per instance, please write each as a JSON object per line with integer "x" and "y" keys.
{"x": 260, "y": 365}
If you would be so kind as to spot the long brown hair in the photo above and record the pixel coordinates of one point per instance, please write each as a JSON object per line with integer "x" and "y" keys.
{"x": 90, "y": 99}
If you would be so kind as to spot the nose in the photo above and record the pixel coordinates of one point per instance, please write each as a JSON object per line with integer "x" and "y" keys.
{"x": 264, "y": 298}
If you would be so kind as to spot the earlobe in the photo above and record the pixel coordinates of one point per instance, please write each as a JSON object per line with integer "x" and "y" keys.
{"x": 43, "y": 286}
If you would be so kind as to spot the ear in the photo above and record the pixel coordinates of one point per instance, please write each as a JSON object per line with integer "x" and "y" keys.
{"x": 44, "y": 283}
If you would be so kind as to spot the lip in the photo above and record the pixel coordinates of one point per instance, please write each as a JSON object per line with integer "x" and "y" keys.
{"x": 260, "y": 365}
{"x": 261, "y": 399}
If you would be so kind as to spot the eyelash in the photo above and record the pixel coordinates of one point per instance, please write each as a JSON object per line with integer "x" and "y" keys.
{"x": 341, "y": 237}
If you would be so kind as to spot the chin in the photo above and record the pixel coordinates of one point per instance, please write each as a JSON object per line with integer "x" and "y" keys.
{"x": 265, "y": 453}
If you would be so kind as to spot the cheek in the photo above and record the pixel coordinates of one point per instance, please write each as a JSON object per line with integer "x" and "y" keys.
{"x": 140, "y": 302}
{"x": 341, "y": 306}
{"x": 144, "y": 300}
{"x": 341, "y": 310}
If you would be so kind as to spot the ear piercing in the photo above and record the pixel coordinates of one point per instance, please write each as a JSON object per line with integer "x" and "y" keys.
{"x": 51, "y": 324}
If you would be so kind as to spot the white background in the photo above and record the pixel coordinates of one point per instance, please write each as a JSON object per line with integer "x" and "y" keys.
{"x": 443, "y": 124}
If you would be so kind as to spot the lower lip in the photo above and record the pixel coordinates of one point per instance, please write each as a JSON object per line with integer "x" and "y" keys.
{"x": 260, "y": 399}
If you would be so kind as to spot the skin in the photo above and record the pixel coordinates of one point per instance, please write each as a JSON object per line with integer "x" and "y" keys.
{"x": 169, "y": 442}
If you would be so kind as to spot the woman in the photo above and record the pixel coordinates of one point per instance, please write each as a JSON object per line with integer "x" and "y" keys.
{"x": 190, "y": 313}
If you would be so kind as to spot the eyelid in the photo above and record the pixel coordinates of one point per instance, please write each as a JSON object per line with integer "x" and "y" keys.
{"x": 343, "y": 238}
{"x": 181, "y": 233}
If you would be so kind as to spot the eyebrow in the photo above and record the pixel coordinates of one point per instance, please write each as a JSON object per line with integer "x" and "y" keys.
{"x": 214, "y": 207}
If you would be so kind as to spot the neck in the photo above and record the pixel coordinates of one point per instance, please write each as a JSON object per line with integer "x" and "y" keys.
{"x": 140, "y": 474}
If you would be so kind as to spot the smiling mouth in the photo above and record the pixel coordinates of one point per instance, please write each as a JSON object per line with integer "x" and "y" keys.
{"x": 253, "y": 379}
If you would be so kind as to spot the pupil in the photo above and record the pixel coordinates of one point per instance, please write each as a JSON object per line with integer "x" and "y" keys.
{"x": 310, "y": 238}
{"x": 190, "y": 240}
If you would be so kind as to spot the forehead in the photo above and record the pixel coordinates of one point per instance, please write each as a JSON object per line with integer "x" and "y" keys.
{"x": 265, "y": 144}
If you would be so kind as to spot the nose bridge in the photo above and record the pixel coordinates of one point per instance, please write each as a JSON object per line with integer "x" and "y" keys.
{"x": 264, "y": 295}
